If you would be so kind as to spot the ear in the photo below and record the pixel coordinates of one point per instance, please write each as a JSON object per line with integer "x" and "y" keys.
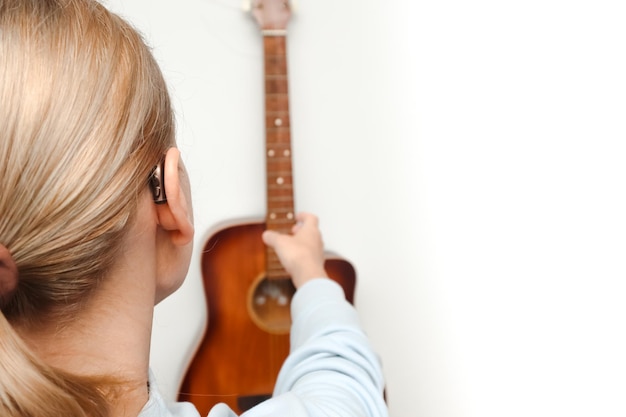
{"x": 176, "y": 216}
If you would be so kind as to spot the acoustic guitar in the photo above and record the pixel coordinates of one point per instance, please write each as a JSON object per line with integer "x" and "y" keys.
{"x": 247, "y": 290}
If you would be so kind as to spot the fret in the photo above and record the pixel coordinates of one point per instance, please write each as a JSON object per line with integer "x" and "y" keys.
{"x": 282, "y": 192}
{"x": 279, "y": 181}
{"x": 272, "y": 116}
{"x": 279, "y": 175}
{"x": 281, "y": 199}
{"x": 282, "y": 226}
{"x": 273, "y": 267}
{"x": 278, "y": 156}
{"x": 275, "y": 270}
{"x": 278, "y": 208}
{"x": 277, "y": 114}
{"x": 285, "y": 173}
{"x": 279, "y": 164}
{"x": 275, "y": 65}
{"x": 277, "y": 275}
{"x": 277, "y": 161}
{"x": 282, "y": 184}
{"x": 280, "y": 135}
{"x": 274, "y": 206}
{"x": 277, "y": 171}
{"x": 279, "y": 141}
{"x": 278, "y": 131}
{"x": 277, "y": 137}
{"x": 279, "y": 217}
{"x": 281, "y": 220}
{"x": 277, "y": 77}
{"x": 275, "y": 86}
{"x": 276, "y": 102}
{"x": 279, "y": 119}
{"x": 276, "y": 148}
{"x": 281, "y": 223}
{"x": 280, "y": 189}
{"x": 274, "y": 262}
{"x": 279, "y": 152}
{"x": 280, "y": 212}
{"x": 275, "y": 46}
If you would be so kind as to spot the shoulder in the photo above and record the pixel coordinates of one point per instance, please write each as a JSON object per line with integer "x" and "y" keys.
{"x": 157, "y": 406}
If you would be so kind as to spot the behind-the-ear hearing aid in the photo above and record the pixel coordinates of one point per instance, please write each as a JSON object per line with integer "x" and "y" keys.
{"x": 157, "y": 183}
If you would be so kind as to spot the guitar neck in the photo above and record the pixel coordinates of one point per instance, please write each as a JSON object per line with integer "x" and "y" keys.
{"x": 279, "y": 174}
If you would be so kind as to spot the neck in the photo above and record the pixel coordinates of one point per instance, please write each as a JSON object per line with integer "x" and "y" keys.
{"x": 110, "y": 337}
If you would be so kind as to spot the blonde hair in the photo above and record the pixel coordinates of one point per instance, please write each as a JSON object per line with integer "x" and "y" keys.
{"x": 84, "y": 116}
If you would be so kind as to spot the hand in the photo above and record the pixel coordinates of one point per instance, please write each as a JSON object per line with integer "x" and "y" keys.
{"x": 302, "y": 252}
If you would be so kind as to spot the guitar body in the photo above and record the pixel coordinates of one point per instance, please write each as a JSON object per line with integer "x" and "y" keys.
{"x": 239, "y": 357}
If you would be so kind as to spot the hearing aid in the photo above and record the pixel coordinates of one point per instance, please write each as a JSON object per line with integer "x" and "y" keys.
{"x": 157, "y": 183}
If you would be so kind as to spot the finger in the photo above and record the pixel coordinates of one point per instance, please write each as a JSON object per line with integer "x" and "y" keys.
{"x": 306, "y": 217}
{"x": 301, "y": 219}
{"x": 270, "y": 237}
{"x": 308, "y": 221}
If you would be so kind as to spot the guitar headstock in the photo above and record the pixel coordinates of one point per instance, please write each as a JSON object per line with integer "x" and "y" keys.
{"x": 271, "y": 15}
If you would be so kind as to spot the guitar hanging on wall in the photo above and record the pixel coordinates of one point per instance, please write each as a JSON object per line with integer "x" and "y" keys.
{"x": 248, "y": 292}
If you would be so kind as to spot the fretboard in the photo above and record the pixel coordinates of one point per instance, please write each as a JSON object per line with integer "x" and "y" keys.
{"x": 279, "y": 175}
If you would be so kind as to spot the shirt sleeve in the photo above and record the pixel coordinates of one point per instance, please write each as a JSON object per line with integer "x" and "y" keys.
{"x": 332, "y": 370}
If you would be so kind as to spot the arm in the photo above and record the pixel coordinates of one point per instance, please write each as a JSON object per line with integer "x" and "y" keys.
{"x": 332, "y": 369}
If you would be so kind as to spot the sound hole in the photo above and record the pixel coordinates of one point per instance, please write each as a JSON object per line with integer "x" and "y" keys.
{"x": 269, "y": 304}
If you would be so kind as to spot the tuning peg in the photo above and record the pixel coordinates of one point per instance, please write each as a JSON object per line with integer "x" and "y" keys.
{"x": 246, "y": 5}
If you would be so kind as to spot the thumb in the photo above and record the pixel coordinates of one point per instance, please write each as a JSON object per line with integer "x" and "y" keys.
{"x": 270, "y": 237}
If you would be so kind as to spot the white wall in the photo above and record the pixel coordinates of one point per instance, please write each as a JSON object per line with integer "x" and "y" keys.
{"x": 466, "y": 156}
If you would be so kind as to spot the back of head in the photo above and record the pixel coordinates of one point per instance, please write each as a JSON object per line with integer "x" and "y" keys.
{"x": 84, "y": 116}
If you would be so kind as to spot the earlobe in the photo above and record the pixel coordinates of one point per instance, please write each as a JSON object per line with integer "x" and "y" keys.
{"x": 175, "y": 216}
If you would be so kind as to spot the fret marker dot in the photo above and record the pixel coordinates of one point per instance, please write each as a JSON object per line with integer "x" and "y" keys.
{"x": 278, "y": 122}
{"x": 280, "y": 180}
{"x": 290, "y": 216}
{"x": 286, "y": 153}
{"x": 273, "y": 216}
{"x": 271, "y": 152}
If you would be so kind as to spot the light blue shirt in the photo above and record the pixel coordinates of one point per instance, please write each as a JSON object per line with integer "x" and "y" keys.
{"x": 331, "y": 370}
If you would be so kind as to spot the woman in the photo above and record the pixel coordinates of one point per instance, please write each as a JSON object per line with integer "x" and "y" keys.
{"x": 96, "y": 228}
